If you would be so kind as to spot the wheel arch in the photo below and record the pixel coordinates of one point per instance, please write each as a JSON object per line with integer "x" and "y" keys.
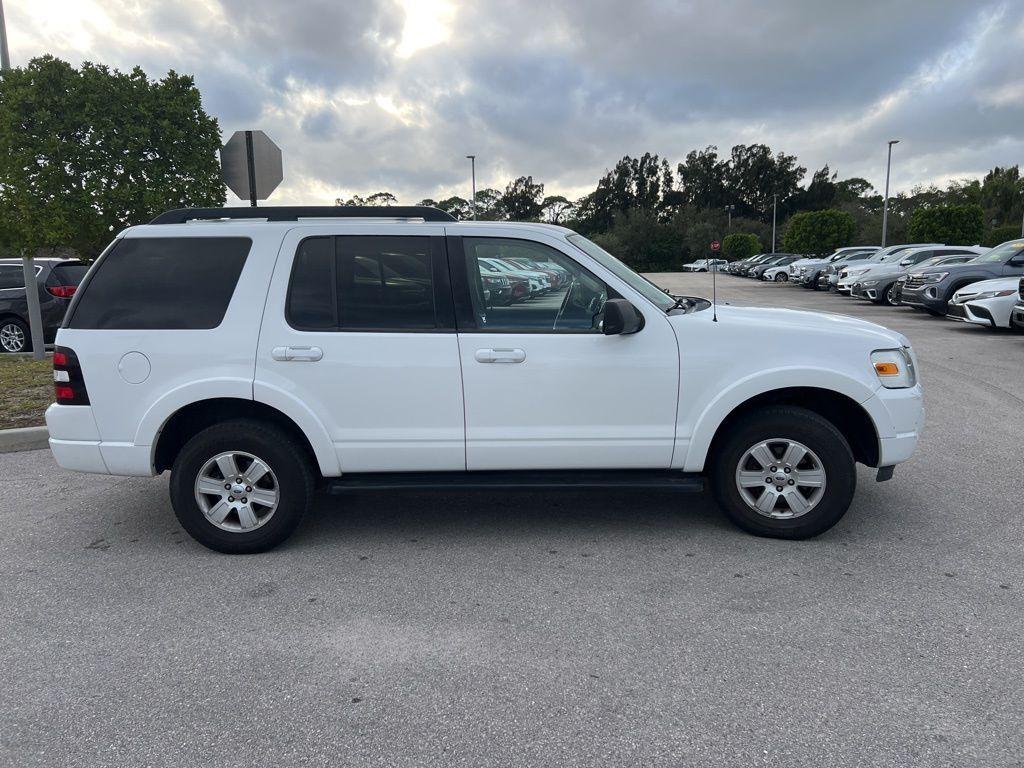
{"x": 839, "y": 408}
{"x": 190, "y": 419}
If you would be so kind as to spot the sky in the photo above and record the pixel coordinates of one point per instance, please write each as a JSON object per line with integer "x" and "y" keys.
{"x": 371, "y": 95}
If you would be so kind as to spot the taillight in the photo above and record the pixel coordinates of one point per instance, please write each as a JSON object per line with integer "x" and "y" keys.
{"x": 68, "y": 384}
{"x": 62, "y": 291}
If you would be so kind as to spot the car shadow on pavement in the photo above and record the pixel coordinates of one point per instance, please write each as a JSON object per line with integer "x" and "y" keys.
{"x": 501, "y": 514}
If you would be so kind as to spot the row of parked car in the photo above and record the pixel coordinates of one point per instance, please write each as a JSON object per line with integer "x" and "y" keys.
{"x": 969, "y": 283}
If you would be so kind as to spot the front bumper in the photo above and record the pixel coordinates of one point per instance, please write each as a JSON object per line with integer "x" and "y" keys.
{"x": 1017, "y": 316}
{"x": 926, "y": 297}
{"x": 898, "y": 415}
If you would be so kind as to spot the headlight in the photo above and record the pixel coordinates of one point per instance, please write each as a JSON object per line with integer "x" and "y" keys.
{"x": 894, "y": 367}
{"x": 935, "y": 277}
{"x": 803, "y": 270}
{"x": 869, "y": 283}
{"x": 990, "y": 295}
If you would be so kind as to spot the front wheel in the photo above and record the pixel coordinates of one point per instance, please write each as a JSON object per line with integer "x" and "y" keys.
{"x": 781, "y": 277}
{"x": 784, "y": 472}
{"x": 241, "y": 486}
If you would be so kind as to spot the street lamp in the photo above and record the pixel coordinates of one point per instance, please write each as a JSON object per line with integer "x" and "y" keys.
{"x": 472, "y": 166}
{"x": 885, "y": 203}
{"x": 775, "y": 207}
{"x": 729, "y": 209}
{"x": 28, "y": 269}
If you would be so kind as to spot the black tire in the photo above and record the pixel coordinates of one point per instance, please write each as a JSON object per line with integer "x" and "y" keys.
{"x": 781, "y": 277}
{"x": 885, "y": 295}
{"x": 792, "y": 423}
{"x": 17, "y": 324}
{"x": 288, "y": 462}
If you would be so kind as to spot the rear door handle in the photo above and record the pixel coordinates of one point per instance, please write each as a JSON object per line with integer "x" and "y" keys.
{"x": 500, "y": 355}
{"x": 297, "y": 354}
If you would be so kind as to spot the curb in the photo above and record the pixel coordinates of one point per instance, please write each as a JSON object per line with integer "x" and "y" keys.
{"x": 24, "y": 439}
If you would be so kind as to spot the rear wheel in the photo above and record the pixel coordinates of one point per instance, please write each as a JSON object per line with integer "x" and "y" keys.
{"x": 241, "y": 486}
{"x": 781, "y": 277}
{"x": 784, "y": 472}
{"x": 14, "y": 335}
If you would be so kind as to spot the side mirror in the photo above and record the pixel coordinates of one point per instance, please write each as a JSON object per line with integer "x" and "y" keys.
{"x": 620, "y": 317}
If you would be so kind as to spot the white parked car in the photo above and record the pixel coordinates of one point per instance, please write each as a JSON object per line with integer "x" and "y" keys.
{"x": 270, "y": 356}
{"x": 989, "y": 302}
{"x": 705, "y": 265}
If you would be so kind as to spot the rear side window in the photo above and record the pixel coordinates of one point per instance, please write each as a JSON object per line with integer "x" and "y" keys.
{"x": 11, "y": 277}
{"x": 162, "y": 283}
{"x": 373, "y": 282}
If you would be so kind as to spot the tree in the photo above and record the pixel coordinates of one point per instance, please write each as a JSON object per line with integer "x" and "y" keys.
{"x": 819, "y": 232}
{"x": 522, "y": 200}
{"x": 455, "y": 205}
{"x": 754, "y": 176}
{"x": 87, "y": 152}
{"x": 377, "y": 198}
{"x": 740, "y": 245}
{"x": 702, "y": 179}
{"x": 950, "y": 224}
{"x": 488, "y": 205}
{"x": 1000, "y": 235}
{"x": 556, "y": 209}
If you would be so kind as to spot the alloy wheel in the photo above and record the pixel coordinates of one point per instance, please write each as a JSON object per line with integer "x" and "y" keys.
{"x": 12, "y": 338}
{"x": 237, "y": 492}
{"x": 780, "y": 478}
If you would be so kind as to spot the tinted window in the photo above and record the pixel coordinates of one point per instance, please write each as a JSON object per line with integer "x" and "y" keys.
{"x": 520, "y": 285}
{"x": 162, "y": 283}
{"x": 363, "y": 283}
{"x": 11, "y": 277}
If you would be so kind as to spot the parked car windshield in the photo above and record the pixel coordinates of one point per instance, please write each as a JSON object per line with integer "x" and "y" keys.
{"x": 637, "y": 282}
{"x": 1000, "y": 253}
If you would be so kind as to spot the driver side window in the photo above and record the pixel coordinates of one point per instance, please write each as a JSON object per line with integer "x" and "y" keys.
{"x": 521, "y": 285}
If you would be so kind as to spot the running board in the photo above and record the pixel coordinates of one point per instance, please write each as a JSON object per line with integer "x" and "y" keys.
{"x": 684, "y": 482}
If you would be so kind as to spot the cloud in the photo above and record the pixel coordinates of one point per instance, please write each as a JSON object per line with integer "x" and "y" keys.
{"x": 392, "y": 94}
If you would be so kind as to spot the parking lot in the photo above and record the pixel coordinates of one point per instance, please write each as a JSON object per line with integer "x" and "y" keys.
{"x": 530, "y": 629}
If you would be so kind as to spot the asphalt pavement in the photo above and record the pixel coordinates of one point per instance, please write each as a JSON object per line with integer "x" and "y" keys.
{"x": 573, "y": 629}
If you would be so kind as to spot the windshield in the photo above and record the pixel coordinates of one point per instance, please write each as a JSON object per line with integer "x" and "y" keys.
{"x": 637, "y": 282}
{"x": 1001, "y": 253}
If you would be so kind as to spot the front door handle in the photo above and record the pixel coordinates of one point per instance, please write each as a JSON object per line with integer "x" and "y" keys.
{"x": 500, "y": 355}
{"x": 297, "y": 354}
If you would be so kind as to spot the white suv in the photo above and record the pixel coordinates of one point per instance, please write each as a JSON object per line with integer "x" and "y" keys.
{"x": 259, "y": 358}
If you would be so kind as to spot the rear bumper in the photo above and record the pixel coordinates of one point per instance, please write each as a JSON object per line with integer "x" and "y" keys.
{"x": 76, "y": 445}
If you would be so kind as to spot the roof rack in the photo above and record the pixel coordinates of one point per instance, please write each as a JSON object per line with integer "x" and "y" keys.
{"x": 296, "y": 212}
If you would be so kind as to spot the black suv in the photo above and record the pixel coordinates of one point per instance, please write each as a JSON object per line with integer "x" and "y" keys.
{"x": 932, "y": 288}
{"x": 56, "y": 279}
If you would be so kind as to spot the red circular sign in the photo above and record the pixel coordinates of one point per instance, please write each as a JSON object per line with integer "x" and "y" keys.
{"x": 715, "y": 245}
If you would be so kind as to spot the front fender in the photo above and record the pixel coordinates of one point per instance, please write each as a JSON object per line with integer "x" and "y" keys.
{"x": 708, "y": 416}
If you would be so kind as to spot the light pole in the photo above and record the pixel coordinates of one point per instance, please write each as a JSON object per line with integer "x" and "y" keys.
{"x": 885, "y": 202}
{"x": 775, "y": 207}
{"x": 729, "y": 209}
{"x": 28, "y": 267}
{"x": 472, "y": 171}
{"x": 5, "y": 56}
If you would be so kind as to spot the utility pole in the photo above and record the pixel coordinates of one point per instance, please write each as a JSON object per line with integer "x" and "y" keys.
{"x": 885, "y": 203}
{"x": 775, "y": 206}
{"x": 28, "y": 267}
{"x": 472, "y": 166}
